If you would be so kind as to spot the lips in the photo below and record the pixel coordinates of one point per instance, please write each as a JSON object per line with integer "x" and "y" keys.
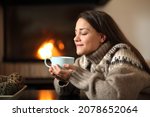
{"x": 78, "y": 45}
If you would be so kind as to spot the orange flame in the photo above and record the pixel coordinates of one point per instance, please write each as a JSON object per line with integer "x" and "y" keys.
{"x": 47, "y": 95}
{"x": 49, "y": 49}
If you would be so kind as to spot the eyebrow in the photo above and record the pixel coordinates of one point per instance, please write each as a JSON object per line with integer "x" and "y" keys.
{"x": 82, "y": 29}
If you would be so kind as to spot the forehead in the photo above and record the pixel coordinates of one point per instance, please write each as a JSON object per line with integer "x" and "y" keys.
{"x": 82, "y": 23}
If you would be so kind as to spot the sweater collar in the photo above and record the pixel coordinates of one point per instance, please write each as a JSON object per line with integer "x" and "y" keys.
{"x": 97, "y": 55}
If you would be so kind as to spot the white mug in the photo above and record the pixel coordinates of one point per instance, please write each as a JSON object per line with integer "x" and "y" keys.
{"x": 60, "y": 60}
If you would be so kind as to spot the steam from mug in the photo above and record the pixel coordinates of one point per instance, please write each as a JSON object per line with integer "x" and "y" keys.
{"x": 60, "y": 60}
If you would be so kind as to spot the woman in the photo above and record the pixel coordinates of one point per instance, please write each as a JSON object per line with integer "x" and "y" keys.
{"x": 109, "y": 66}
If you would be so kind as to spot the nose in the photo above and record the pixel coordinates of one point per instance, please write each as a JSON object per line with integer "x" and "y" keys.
{"x": 77, "y": 38}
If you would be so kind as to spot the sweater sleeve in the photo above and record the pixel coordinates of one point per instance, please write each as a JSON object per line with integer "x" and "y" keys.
{"x": 123, "y": 80}
{"x": 65, "y": 90}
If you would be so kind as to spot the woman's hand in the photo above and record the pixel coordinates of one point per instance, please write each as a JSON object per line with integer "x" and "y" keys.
{"x": 62, "y": 73}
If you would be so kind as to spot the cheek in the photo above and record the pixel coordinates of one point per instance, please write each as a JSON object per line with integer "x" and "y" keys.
{"x": 90, "y": 44}
{"x": 93, "y": 45}
{"x": 93, "y": 40}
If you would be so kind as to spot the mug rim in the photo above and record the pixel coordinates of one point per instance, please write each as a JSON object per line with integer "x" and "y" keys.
{"x": 62, "y": 57}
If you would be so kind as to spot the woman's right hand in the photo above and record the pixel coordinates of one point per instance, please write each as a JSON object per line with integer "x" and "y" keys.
{"x": 62, "y": 73}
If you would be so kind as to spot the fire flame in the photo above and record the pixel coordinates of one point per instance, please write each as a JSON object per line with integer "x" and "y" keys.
{"x": 47, "y": 95}
{"x": 50, "y": 48}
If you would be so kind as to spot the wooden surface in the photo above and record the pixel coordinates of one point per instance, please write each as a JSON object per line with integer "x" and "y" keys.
{"x": 38, "y": 93}
{"x": 34, "y": 70}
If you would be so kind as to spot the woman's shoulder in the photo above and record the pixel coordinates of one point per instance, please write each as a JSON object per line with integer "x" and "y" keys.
{"x": 118, "y": 47}
{"x": 122, "y": 53}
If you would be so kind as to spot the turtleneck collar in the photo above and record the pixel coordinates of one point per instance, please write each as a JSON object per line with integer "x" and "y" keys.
{"x": 97, "y": 55}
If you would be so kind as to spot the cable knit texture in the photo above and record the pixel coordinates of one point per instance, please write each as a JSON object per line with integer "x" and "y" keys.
{"x": 108, "y": 73}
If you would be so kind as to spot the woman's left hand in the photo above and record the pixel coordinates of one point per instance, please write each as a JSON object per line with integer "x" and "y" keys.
{"x": 62, "y": 73}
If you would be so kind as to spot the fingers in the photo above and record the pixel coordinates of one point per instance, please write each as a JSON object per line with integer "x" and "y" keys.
{"x": 54, "y": 70}
{"x": 60, "y": 73}
{"x": 69, "y": 66}
{"x": 51, "y": 71}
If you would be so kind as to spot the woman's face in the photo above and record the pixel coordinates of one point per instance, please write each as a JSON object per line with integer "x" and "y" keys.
{"x": 86, "y": 39}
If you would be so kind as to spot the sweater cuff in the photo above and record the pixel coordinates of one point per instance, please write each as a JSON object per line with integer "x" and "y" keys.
{"x": 63, "y": 83}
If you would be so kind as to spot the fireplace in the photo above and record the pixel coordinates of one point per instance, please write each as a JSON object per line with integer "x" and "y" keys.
{"x": 36, "y": 30}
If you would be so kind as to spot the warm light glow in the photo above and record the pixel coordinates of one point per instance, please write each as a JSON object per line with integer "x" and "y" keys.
{"x": 50, "y": 48}
{"x": 47, "y": 95}
{"x": 61, "y": 45}
{"x": 45, "y": 51}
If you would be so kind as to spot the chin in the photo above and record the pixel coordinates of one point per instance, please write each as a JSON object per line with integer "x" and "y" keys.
{"x": 79, "y": 53}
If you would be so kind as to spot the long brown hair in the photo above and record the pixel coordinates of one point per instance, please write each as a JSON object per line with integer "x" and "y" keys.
{"x": 104, "y": 23}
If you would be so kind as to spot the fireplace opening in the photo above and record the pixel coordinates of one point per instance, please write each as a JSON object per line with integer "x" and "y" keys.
{"x": 36, "y": 31}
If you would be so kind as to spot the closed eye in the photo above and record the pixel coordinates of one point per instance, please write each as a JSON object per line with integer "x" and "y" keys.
{"x": 84, "y": 33}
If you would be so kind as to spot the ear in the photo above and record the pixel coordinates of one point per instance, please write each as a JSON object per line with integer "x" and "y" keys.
{"x": 102, "y": 38}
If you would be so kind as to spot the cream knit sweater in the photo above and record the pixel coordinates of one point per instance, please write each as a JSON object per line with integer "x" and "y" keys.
{"x": 108, "y": 73}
